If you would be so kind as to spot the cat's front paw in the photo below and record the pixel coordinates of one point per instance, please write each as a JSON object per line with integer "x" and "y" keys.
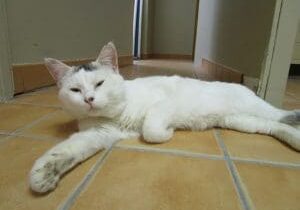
{"x": 46, "y": 171}
{"x": 158, "y": 136}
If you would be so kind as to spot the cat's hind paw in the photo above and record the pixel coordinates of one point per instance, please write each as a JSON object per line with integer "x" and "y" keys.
{"x": 46, "y": 172}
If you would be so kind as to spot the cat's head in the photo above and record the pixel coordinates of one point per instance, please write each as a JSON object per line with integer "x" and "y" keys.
{"x": 94, "y": 89}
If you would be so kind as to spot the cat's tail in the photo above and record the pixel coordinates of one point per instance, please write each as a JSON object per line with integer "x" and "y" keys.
{"x": 292, "y": 118}
{"x": 280, "y": 130}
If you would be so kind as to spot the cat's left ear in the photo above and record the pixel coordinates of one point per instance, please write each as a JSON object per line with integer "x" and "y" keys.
{"x": 109, "y": 56}
{"x": 56, "y": 68}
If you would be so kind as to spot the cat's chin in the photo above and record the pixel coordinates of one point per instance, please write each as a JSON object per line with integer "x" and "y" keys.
{"x": 82, "y": 113}
{"x": 93, "y": 113}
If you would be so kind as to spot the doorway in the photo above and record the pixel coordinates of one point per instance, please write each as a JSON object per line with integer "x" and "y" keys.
{"x": 164, "y": 29}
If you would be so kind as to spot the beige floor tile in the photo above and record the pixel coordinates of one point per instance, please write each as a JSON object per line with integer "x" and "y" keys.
{"x": 49, "y": 98}
{"x": 292, "y": 96}
{"x": 16, "y": 159}
{"x": 201, "y": 142}
{"x": 258, "y": 147}
{"x": 58, "y": 125}
{"x": 271, "y": 188}
{"x": 15, "y": 116}
{"x": 293, "y": 87}
{"x": 141, "y": 180}
{"x": 290, "y": 105}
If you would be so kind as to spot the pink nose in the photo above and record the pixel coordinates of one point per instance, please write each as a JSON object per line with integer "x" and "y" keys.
{"x": 89, "y": 100}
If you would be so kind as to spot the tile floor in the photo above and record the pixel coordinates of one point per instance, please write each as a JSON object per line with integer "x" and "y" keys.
{"x": 292, "y": 95}
{"x": 215, "y": 169}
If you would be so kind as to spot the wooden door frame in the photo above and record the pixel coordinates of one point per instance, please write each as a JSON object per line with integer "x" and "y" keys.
{"x": 137, "y": 29}
{"x": 279, "y": 52}
{"x": 195, "y": 29}
{"x": 6, "y": 79}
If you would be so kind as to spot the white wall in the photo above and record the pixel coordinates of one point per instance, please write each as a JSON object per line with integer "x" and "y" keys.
{"x": 173, "y": 26}
{"x": 67, "y": 29}
{"x": 296, "y": 52}
{"x": 147, "y": 26}
{"x": 234, "y": 33}
{"x": 6, "y": 82}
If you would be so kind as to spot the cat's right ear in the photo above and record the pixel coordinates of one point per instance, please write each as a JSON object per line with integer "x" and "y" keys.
{"x": 56, "y": 68}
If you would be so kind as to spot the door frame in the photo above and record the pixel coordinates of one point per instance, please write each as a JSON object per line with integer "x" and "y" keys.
{"x": 137, "y": 28}
{"x": 278, "y": 54}
{"x": 6, "y": 79}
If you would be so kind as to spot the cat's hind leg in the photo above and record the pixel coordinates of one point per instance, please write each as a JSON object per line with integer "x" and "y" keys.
{"x": 48, "y": 169}
{"x": 251, "y": 124}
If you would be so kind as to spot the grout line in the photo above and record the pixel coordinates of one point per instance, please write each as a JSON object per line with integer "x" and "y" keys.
{"x": 242, "y": 194}
{"x": 36, "y": 137}
{"x": 170, "y": 152}
{"x": 3, "y": 133}
{"x": 33, "y": 104}
{"x": 33, "y": 137}
{"x": 17, "y": 132}
{"x": 70, "y": 200}
{"x": 44, "y": 117}
{"x": 267, "y": 162}
{"x": 6, "y": 138}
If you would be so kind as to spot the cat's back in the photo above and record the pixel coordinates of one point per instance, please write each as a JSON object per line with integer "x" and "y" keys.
{"x": 183, "y": 87}
{"x": 158, "y": 83}
{"x": 154, "y": 80}
{"x": 145, "y": 92}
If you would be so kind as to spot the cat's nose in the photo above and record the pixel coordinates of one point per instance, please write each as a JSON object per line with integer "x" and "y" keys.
{"x": 89, "y": 100}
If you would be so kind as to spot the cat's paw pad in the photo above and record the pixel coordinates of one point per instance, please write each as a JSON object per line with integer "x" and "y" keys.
{"x": 158, "y": 136}
{"x": 47, "y": 170}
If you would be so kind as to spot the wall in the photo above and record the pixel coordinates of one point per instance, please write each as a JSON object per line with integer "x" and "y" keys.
{"x": 6, "y": 82}
{"x": 67, "y": 29}
{"x": 173, "y": 26}
{"x": 234, "y": 33}
{"x": 147, "y": 26}
{"x": 296, "y": 52}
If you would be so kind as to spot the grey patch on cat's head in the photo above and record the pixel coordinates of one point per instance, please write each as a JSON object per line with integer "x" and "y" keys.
{"x": 85, "y": 67}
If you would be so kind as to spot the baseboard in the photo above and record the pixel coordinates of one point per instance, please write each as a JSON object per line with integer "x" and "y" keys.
{"x": 213, "y": 71}
{"x": 28, "y": 77}
{"x": 251, "y": 82}
{"x": 167, "y": 56}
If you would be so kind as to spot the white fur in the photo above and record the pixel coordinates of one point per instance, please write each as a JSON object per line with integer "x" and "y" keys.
{"x": 151, "y": 107}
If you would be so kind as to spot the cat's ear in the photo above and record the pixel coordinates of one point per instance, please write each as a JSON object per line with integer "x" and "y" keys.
{"x": 109, "y": 56}
{"x": 56, "y": 68}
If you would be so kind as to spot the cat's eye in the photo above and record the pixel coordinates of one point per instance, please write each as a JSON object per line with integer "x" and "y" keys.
{"x": 99, "y": 84}
{"x": 76, "y": 90}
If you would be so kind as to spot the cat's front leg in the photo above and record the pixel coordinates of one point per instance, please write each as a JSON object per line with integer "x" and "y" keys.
{"x": 156, "y": 127}
{"x": 48, "y": 169}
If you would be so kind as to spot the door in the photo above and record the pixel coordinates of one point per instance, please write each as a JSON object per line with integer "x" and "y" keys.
{"x": 279, "y": 52}
{"x": 234, "y": 41}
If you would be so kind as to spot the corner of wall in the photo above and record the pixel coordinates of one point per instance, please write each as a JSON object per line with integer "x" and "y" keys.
{"x": 6, "y": 82}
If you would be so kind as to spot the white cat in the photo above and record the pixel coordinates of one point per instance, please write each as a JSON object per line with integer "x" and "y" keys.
{"x": 109, "y": 109}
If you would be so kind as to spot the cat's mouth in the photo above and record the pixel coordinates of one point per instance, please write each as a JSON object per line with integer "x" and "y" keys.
{"x": 91, "y": 107}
